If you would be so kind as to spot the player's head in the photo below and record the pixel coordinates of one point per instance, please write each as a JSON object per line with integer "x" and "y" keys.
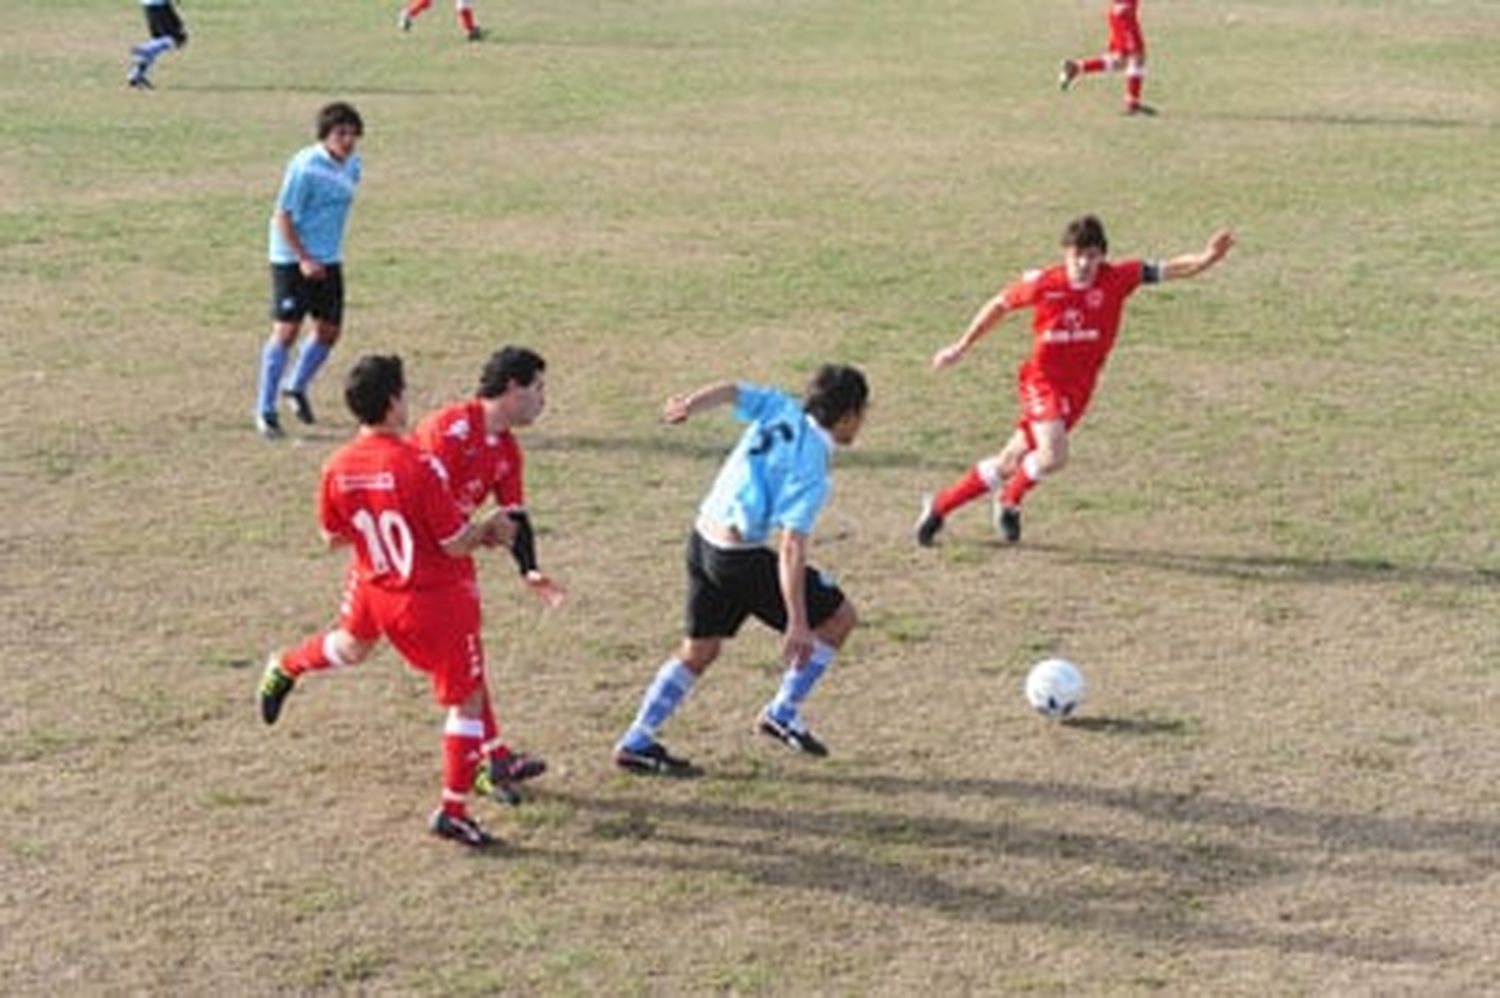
{"x": 836, "y": 398}
{"x": 1084, "y": 248}
{"x": 340, "y": 128}
{"x": 375, "y": 391}
{"x": 514, "y": 378}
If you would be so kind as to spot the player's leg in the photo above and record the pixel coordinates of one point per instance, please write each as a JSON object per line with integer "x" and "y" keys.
{"x": 985, "y": 477}
{"x": 410, "y": 12}
{"x": 1135, "y": 81}
{"x": 502, "y": 767}
{"x": 833, "y": 619}
{"x": 1048, "y": 454}
{"x": 167, "y": 33}
{"x": 326, "y": 303}
{"x": 466, "y": 23}
{"x": 347, "y": 644}
{"x": 289, "y": 306}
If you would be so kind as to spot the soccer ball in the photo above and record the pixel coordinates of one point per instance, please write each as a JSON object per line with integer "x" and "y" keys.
{"x": 1054, "y": 688}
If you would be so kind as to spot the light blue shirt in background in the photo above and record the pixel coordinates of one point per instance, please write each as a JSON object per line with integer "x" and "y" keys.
{"x": 777, "y": 476}
{"x": 317, "y": 193}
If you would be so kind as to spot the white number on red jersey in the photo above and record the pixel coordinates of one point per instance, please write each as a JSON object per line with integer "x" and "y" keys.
{"x": 387, "y": 541}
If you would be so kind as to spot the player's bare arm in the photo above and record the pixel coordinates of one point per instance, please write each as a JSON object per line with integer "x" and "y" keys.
{"x": 1193, "y": 264}
{"x": 311, "y": 269}
{"x": 334, "y": 541}
{"x": 679, "y": 408}
{"x": 797, "y": 642}
{"x": 473, "y": 535}
{"x": 986, "y": 319}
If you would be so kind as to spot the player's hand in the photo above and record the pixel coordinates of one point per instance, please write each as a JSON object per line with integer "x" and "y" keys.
{"x": 499, "y": 530}
{"x": 1219, "y": 244}
{"x": 677, "y": 409}
{"x": 797, "y": 646}
{"x": 947, "y": 357}
{"x": 550, "y": 593}
{"x": 312, "y": 269}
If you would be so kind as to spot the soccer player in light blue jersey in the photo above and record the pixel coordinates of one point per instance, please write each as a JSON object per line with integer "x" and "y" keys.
{"x": 772, "y": 486}
{"x": 307, "y": 250}
{"x": 167, "y": 33}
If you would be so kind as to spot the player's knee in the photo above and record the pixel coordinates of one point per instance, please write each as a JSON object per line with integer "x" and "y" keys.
{"x": 699, "y": 653}
{"x": 349, "y": 650}
{"x": 328, "y": 334}
{"x": 180, "y": 39}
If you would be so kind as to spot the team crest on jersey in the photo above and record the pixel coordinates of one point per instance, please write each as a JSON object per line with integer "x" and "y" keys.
{"x": 1094, "y": 298}
{"x": 459, "y": 430}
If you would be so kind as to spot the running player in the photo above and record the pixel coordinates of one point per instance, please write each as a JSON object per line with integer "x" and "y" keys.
{"x": 474, "y": 442}
{"x": 466, "y": 23}
{"x": 411, "y": 580}
{"x": 1078, "y": 305}
{"x": 167, "y": 33}
{"x": 776, "y": 478}
{"x": 307, "y": 250}
{"x": 1127, "y": 51}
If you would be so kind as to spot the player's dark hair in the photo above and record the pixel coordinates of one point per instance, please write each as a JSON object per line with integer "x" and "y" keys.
{"x": 1086, "y": 232}
{"x": 834, "y": 392}
{"x": 509, "y": 364}
{"x": 372, "y": 386}
{"x": 336, "y": 114}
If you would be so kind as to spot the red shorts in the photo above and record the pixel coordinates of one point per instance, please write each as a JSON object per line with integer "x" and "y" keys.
{"x": 1044, "y": 402}
{"x": 436, "y": 630}
{"x": 1125, "y": 38}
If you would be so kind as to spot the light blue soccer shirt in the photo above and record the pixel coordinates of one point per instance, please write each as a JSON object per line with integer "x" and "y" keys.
{"x": 317, "y": 193}
{"x": 777, "y": 475}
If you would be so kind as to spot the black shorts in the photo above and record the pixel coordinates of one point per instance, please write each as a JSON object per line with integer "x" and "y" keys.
{"x": 294, "y": 296}
{"x": 163, "y": 22}
{"x": 725, "y": 587}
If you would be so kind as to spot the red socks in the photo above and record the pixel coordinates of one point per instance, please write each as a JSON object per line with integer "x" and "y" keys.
{"x": 309, "y": 656}
{"x": 1094, "y": 65}
{"x": 966, "y": 489}
{"x": 466, "y": 20}
{"x": 416, "y": 7}
{"x": 462, "y": 741}
{"x": 1133, "y": 90}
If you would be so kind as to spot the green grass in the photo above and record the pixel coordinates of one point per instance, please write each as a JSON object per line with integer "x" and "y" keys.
{"x": 1273, "y": 555}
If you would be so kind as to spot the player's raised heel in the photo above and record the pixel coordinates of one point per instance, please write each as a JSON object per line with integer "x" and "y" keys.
{"x": 929, "y": 524}
{"x": 1008, "y": 523}
{"x": 460, "y": 828}
{"x": 498, "y": 778}
{"x": 654, "y": 760}
{"x": 792, "y": 736}
{"x": 275, "y": 685}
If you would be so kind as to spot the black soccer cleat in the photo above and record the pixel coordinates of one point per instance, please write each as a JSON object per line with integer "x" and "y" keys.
{"x": 498, "y": 777}
{"x": 301, "y": 407}
{"x": 460, "y": 828}
{"x": 1008, "y": 523}
{"x": 793, "y": 737}
{"x": 654, "y": 760}
{"x": 929, "y": 524}
{"x": 275, "y": 685}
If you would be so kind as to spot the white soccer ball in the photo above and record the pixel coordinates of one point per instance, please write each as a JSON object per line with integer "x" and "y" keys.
{"x": 1054, "y": 688}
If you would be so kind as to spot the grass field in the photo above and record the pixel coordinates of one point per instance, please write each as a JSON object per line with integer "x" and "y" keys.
{"x": 1275, "y": 554}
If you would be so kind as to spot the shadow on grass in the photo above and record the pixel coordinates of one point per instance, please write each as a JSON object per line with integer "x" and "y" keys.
{"x": 1277, "y": 568}
{"x": 665, "y": 444}
{"x": 1157, "y": 893}
{"x": 1131, "y": 725}
{"x": 1345, "y": 120}
{"x": 330, "y": 91}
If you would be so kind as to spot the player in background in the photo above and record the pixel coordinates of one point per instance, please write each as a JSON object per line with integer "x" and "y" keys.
{"x": 1077, "y": 306}
{"x": 1127, "y": 51}
{"x": 306, "y": 253}
{"x": 411, "y": 580}
{"x": 475, "y": 443}
{"x": 775, "y": 479}
{"x": 167, "y": 33}
{"x": 466, "y": 23}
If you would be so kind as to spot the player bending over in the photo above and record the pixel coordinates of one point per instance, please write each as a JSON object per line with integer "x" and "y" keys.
{"x": 1077, "y": 308}
{"x": 775, "y": 479}
{"x": 306, "y": 253}
{"x": 474, "y": 442}
{"x": 466, "y": 23}
{"x": 411, "y": 580}
{"x": 167, "y": 33}
{"x": 1127, "y": 51}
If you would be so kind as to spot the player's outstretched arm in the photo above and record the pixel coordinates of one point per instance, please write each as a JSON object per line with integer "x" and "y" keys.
{"x": 987, "y": 318}
{"x": 678, "y": 408}
{"x": 1193, "y": 264}
{"x": 476, "y": 533}
{"x": 797, "y": 641}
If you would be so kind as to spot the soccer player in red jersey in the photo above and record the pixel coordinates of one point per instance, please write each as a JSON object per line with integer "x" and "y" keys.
{"x": 1127, "y": 50}
{"x": 411, "y": 579}
{"x": 472, "y": 31}
{"x": 474, "y": 442}
{"x": 1077, "y": 307}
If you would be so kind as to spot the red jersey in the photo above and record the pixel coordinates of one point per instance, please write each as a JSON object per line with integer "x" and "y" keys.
{"x": 477, "y": 463}
{"x": 1074, "y": 329}
{"x": 391, "y": 501}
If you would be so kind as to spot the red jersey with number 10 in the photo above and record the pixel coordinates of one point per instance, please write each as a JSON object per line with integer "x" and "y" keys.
{"x": 1074, "y": 329}
{"x": 477, "y": 463}
{"x": 392, "y": 503}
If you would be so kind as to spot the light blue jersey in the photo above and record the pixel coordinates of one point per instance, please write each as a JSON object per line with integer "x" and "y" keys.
{"x": 777, "y": 475}
{"x": 156, "y": 3}
{"x": 317, "y": 193}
